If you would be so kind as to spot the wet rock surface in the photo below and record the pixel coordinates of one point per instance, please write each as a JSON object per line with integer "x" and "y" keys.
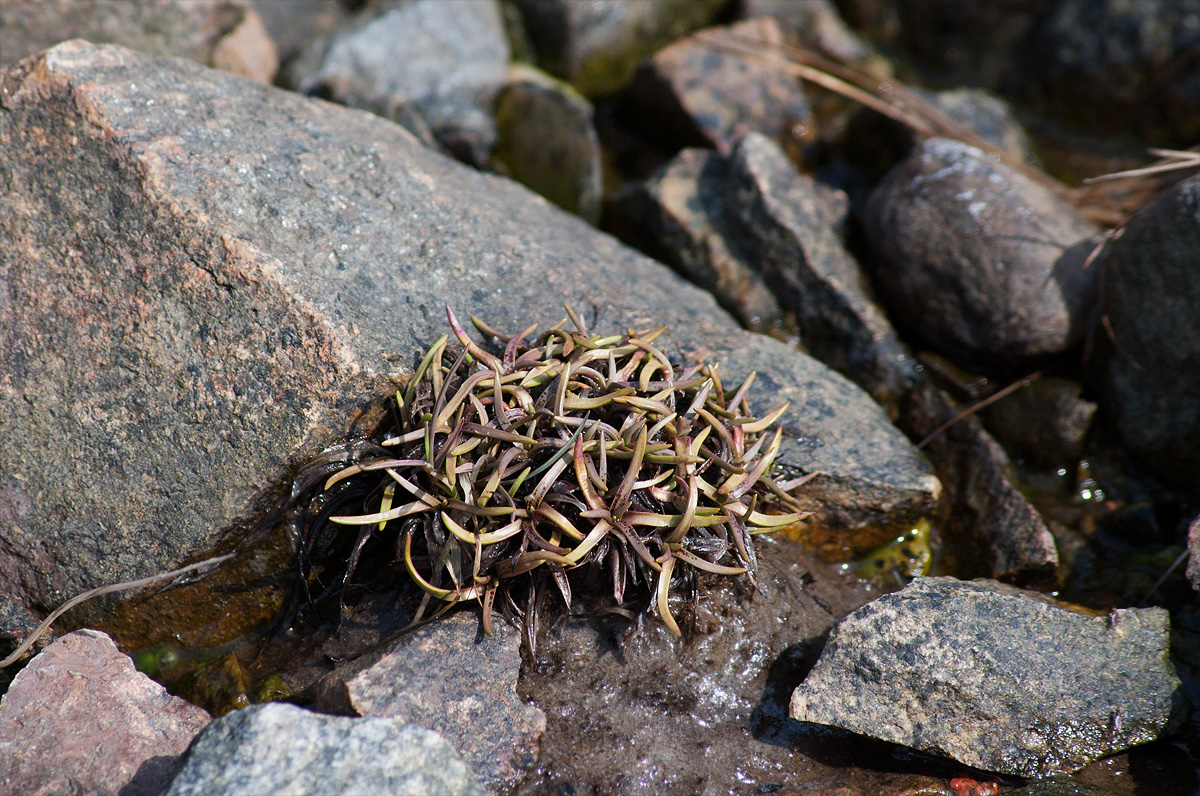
{"x": 995, "y": 678}
{"x": 979, "y": 261}
{"x": 701, "y": 715}
{"x": 286, "y": 749}
{"x": 700, "y": 92}
{"x": 111, "y": 728}
{"x": 1046, "y": 421}
{"x": 450, "y": 678}
{"x": 259, "y": 270}
{"x": 1152, "y": 361}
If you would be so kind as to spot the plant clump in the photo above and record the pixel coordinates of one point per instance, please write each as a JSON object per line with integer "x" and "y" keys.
{"x": 569, "y": 453}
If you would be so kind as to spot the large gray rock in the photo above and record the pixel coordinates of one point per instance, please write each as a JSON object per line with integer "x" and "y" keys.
{"x": 285, "y": 749}
{"x": 995, "y": 678}
{"x": 1151, "y": 365}
{"x": 981, "y": 262}
{"x": 227, "y": 34}
{"x": 444, "y": 678}
{"x": 205, "y": 290}
{"x": 81, "y": 719}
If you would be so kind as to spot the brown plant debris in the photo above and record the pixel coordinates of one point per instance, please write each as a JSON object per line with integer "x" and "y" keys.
{"x": 572, "y": 452}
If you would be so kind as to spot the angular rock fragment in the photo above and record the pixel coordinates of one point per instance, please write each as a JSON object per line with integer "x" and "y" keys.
{"x": 285, "y": 749}
{"x": 679, "y": 215}
{"x": 1151, "y": 364}
{"x": 995, "y": 678}
{"x": 81, "y": 719}
{"x": 441, "y": 62}
{"x": 546, "y": 141}
{"x": 791, "y": 225}
{"x": 442, "y": 678}
{"x": 596, "y": 46}
{"x": 700, "y": 92}
{"x": 1193, "y": 544}
{"x": 982, "y": 263}
{"x": 205, "y": 291}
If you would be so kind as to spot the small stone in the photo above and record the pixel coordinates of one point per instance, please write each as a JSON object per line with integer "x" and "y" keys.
{"x": 279, "y": 748}
{"x": 699, "y": 92}
{"x": 440, "y": 676}
{"x": 1045, "y": 422}
{"x": 446, "y": 61}
{"x": 1151, "y": 364}
{"x": 597, "y": 45}
{"x": 812, "y": 22}
{"x": 982, "y": 263}
{"x": 247, "y": 50}
{"x": 81, "y": 719}
{"x": 293, "y": 24}
{"x": 995, "y": 678}
{"x": 1193, "y": 543}
{"x": 547, "y": 142}
{"x": 679, "y": 216}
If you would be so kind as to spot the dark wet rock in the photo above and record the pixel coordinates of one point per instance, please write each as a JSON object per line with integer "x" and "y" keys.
{"x": 1151, "y": 370}
{"x": 1119, "y": 66}
{"x": 706, "y": 713}
{"x": 444, "y": 677}
{"x": 1045, "y": 422}
{"x": 16, "y": 623}
{"x": 445, "y": 62}
{"x": 955, "y": 43}
{"x": 875, "y": 143}
{"x": 547, "y": 142}
{"x": 982, "y": 263}
{"x": 813, "y": 23}
{"x": 286, "y": 749}
{"x": 81, "y": 719}
{"x": 1193, "y": 543}
{"x": 194, "y": 29}
{"x": 790, "y": 224}
{"x": 596, "y": 46}
{"x": 679, "y": 216}
{"x": 995, "y": 678}
{"x": 258, "y": 270}
{"x": 1058, "y": 787}
{"x": 994, "y": 527}
{"x": 700, "y": 92}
